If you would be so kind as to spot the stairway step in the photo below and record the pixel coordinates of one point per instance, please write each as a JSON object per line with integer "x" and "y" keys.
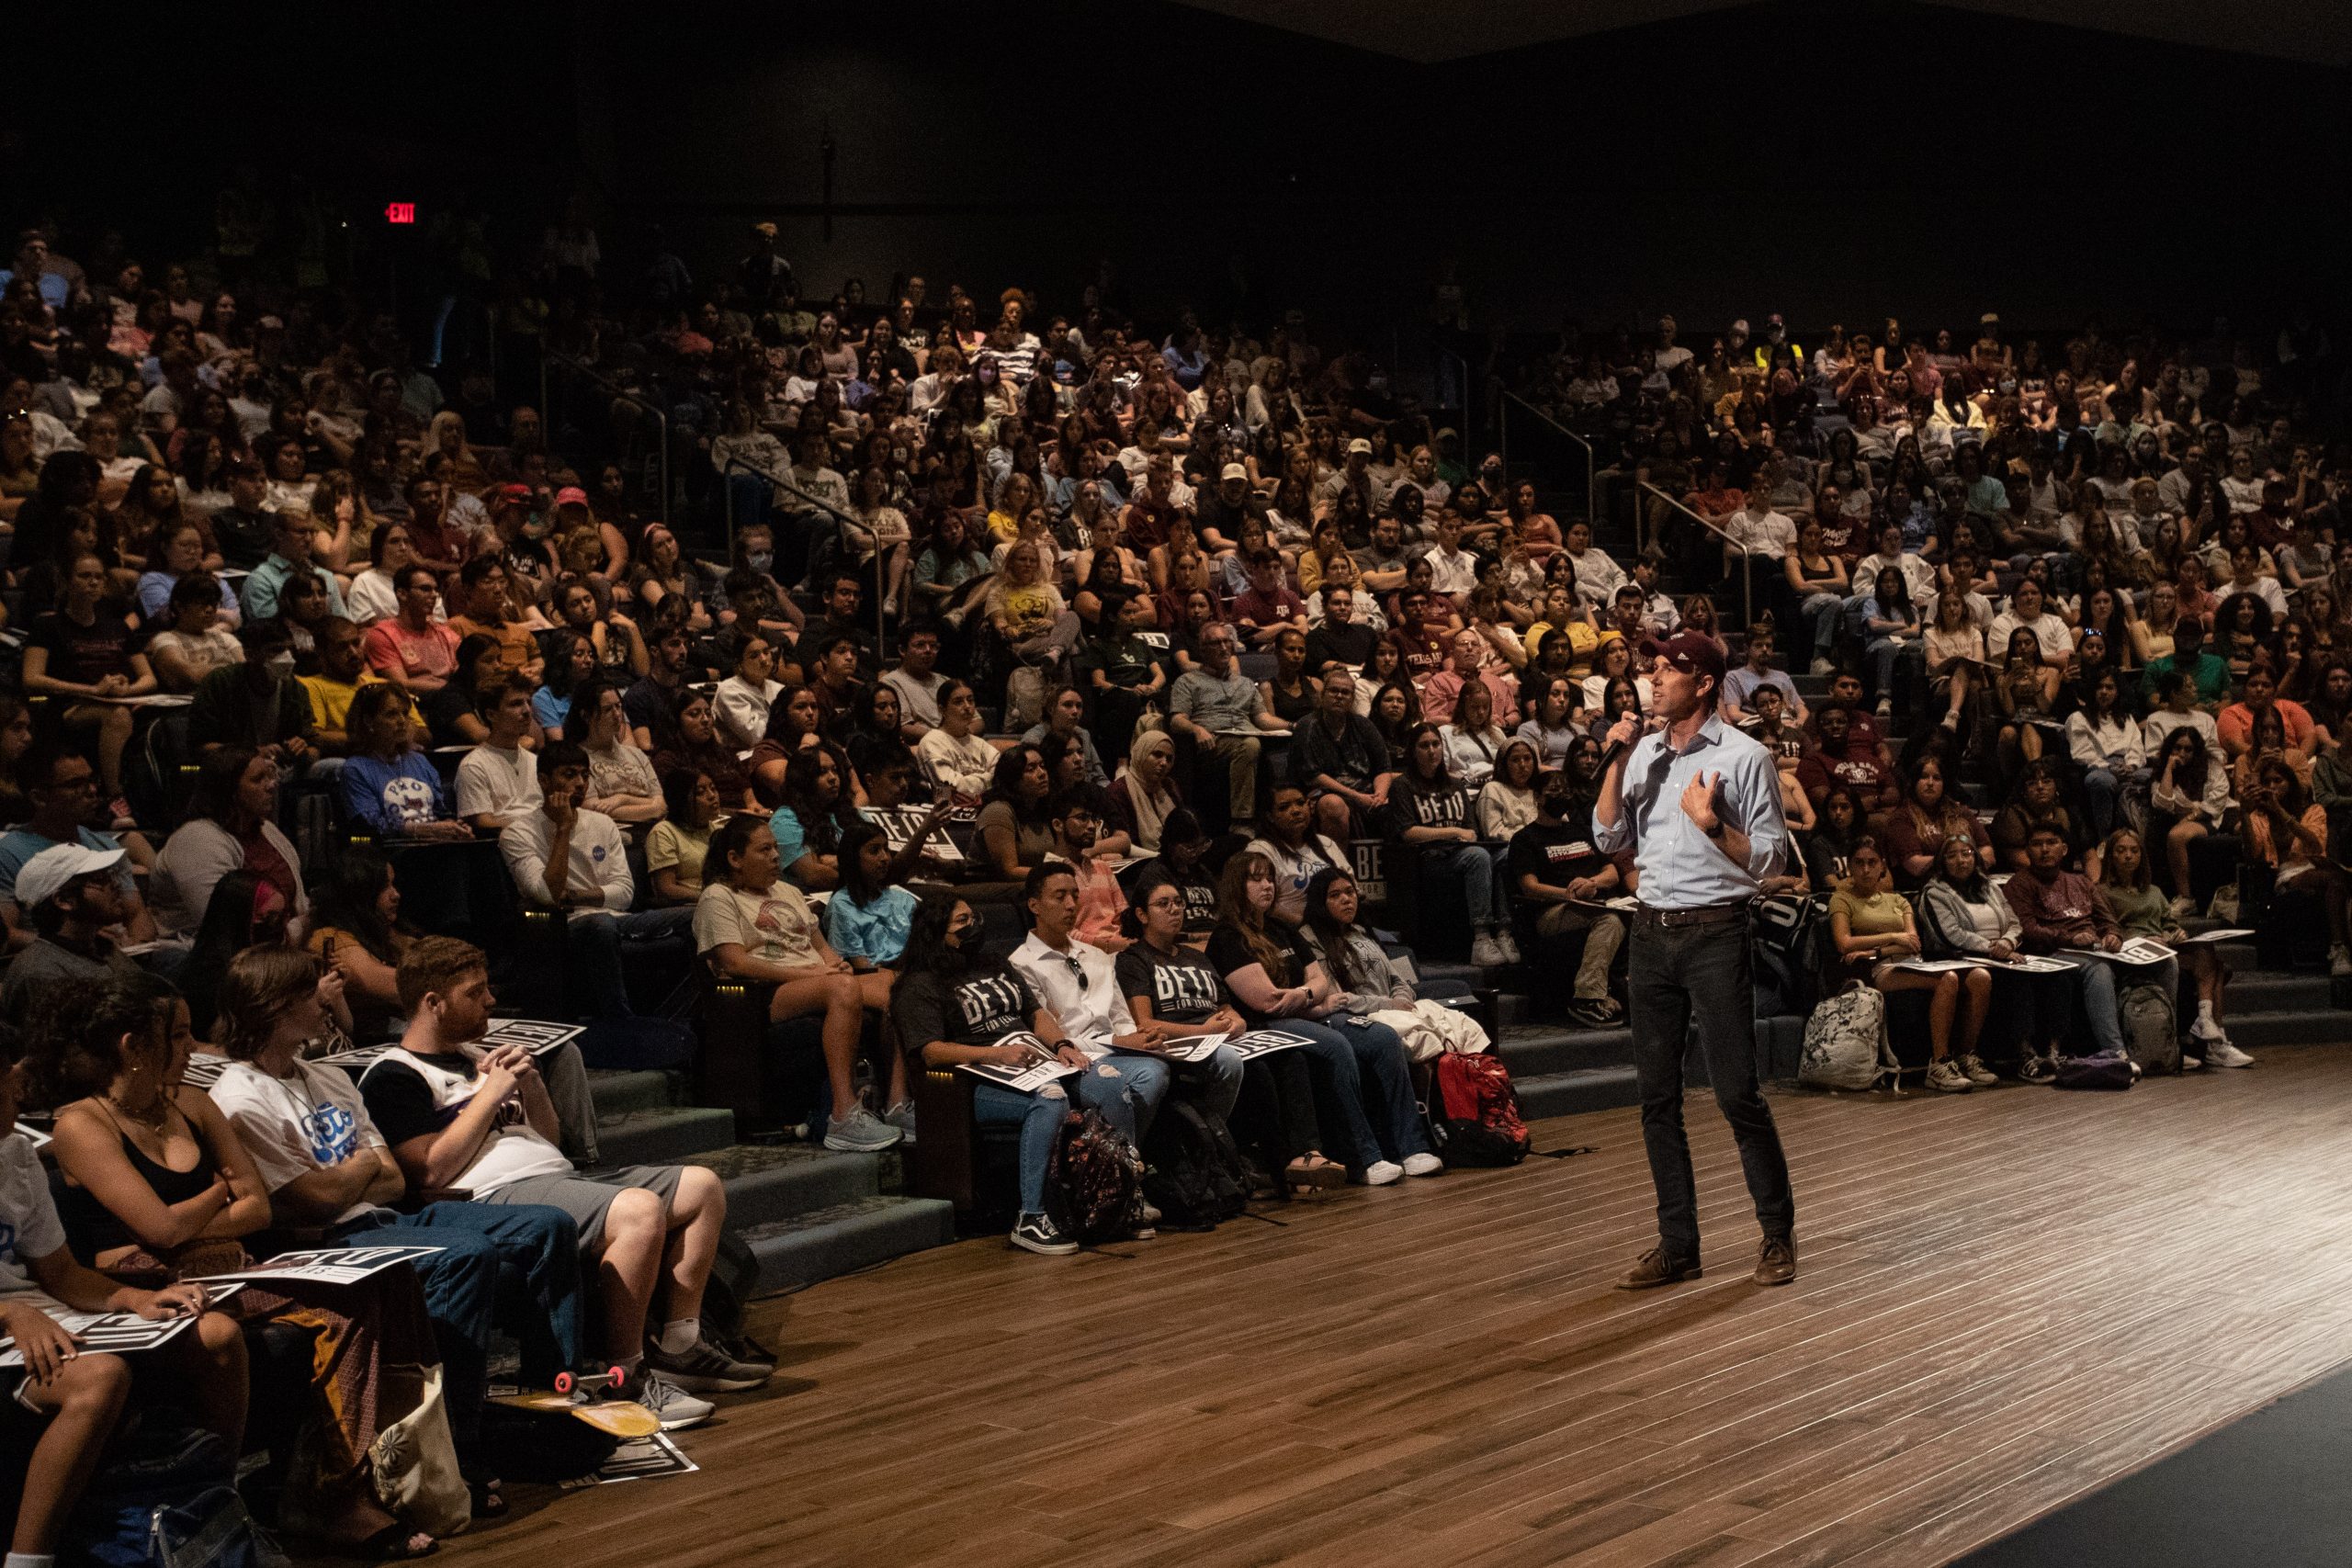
{"x": 768, "y": 1182}
{"x": 1573, "y": 1093}
{"x": 618, "y": 1093}
{"x": 1534, "y": 1050}
{"x": 2302, "y": 1027}
{"x": 664, "y": 1137}
{"x": 2271, "y": 990}
{"x": 838, "y": 1239}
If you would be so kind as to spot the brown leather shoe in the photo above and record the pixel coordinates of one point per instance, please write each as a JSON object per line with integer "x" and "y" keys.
{"x": 1656, "y": 1269}
{"x": 1776, "y": 1260}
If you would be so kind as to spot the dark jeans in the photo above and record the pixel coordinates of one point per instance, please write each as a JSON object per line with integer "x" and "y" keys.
{"x": 593, "y": 951}
{"x": 1699, "y": 976}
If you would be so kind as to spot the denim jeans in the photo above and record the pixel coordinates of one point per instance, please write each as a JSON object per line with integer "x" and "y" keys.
{"x": 1359, "y": 1062}
{"x": 2104, "y": 790}
{"x": 1820, "y": 613}
{"x": 1697, "y": 976}
{"x": 1882, "y": 654}
{"x": 2099, "y": 994}
{"x": 1215, "y": 1083}
{"x": 1039, "y": 1117}
{"x": 525, "y": 1254}
{"x": 1474, "y": 866}
{"x": 592, "y": 951}
{"x": 1126, "y": 1091}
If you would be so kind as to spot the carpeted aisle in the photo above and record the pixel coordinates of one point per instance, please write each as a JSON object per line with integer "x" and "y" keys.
{"x": 2273, "y": 1489}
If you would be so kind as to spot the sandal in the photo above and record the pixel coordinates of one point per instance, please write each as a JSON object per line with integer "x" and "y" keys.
{"x": 390, "y": 1544}
{"x": 489, "y": 1501}
{"x": 1307, "y": 1175}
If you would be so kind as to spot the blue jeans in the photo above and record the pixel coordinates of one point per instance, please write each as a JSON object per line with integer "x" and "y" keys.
{"x": 1882, "y": 654}
{"x": 2096, "y": 992}
{"x": 1360, "y": 1063}
{"x": 2103, "y": 789}
{"x": 592, "y": 951}
{"x": 1819, "y": 614}
{"x": 1126, "y": 1091}
{"x": 1474, "y": 866}
{"x": 1215, "y": 1083}
{"x": 1039, "y": 1117}
{"x": 1697, "y": 977}
{"x": 522, "y": 1253}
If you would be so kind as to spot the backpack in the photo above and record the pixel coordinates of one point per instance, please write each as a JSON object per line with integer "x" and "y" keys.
{"x": 1094, "y": 1183}
{"x": 2151, "y": 1028}
{"x": 1474, "y": 1111}
{"x": 1787, "y": 937}
{"x": 1845, "y": 1042}
{"x": 1194, "y": 1172}
{"x": 734, "y": 1282}
{"x": 170, "y": 1504}
{"x": 2109, "y": 1069}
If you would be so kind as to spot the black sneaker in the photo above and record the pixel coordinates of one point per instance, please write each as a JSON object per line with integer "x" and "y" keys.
{"x": 705, "y": 1369}
{"x": 1036, "y": 1233}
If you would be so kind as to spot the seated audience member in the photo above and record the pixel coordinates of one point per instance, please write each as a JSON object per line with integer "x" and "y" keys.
{"x": 1014, "y": 829}
{"x": 1916, "y": 830}
{"x": 1372, "y": 986}
{"x": 1183, "y": 846}
{"x": 1559, "y": 882}
{"x": 2103, "y": 739}
{"x": 1844, "y": 758}
{"x": 1065, "y": 716}
{"x": 751, "y": 925}
{"x": 414, "y": 647}
{"x": 485, "y": 589}
{"x": 340, "y": 672}
{"x": 621, "y": 780}
{"x": 1173, "y": 992}
{"x": 375, "y": 592}
{"x": 62, "y": 790}
{"x": 676, "y": 847}
{"x": 194, "y": 642}
{"x": 460, "y": 712}
{"x": 1829, "y": 852}
{"x": 324, "y": 1166}
{"x": 2033, "y": 802}
{"x": 1341, "y": 756}
{"x": 1873, "y": 933}
{"x": 230, "y": 827}
{"x": 1295, "y": 850}
{"x": 498, "y": 781}
{"x": 2189, "y": 798}
{"x": 917, "y": 681}
{"x": 956, "y": 1004}
{"x": 453, "y": 1119}
{"x": 257, "y": 702}
{"x": 1963, "y": 915}
{"x": 743, "y": 700}
{"x": 1552, "y": 726}
{"x": 354, "y": 933}
{"x": 670, "y": 653}
{"x": 2060, "y": 909}
{"x": 69, "y": 901}
{"x": 387, "y": 784}
{"x": 571, "y": 664}
{"x": 2142, "y": 912}
{"x": 1507, "y": 802}
{"x": 1472, "y": 739}
{"x": 867, "y": 918}
{"x": 815, "y": 811}
{"x": 289, "y": 559}
{"x": 1076, "y": 814}
{"x": 82, "y": 655}
{"x": 1217, "y": 707}
{"x": 2284, "y": 830}
{"x": 156, "y": 1185}
{"x": 244, "y": 911}
{"x": 1276, "y": 982}
{"x": 1428, "y": 814}
{"x": 686, "y": 737}
{"x": 2235, "y": 724}
{"x": 79, "y": 1395}
{"x": 1140, "y": 800}
{"x": 2208, "y": 672}
{"x": 1741, "y": 685}
{"x": 569, "y": 856}
{"x": 958, "y": 759}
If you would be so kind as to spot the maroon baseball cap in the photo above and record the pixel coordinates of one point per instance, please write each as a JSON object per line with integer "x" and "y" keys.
{"x": 1689, "y": 652}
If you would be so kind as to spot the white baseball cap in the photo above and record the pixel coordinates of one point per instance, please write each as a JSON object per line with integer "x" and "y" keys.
{"x": 45, "y": 875}
{"x": 1360, "y": 445}
{"x": 1234, "y": 471}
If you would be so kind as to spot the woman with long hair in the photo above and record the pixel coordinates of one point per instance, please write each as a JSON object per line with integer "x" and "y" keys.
{"x": 1428, "y": 814}
{"x": 2187, "y": 799}
{"x": 1929, "y": 816}
{"x": 1173, "y": 991}
{"x": 1962, "y": 914}
{"x": 2103, "y": 737}
{"x": 816, "y": 811}
{"x": 1507, "y": 802}
{"x": 1015, "y": 828}
{"x": 1472, "y": 741}
{"x": 679, "y": 843}
{"x": 230, "y": 827}
{"x": 686, "y": 736}
{"x": 1278, "y": 983}
{"x": 621, "y": 780}
{"x": 355, "y": 932}
{"x": 2027, "y": 692}
{"x": 750, "y": 924}
{"x": 1369, "y": 984}
{"x": 1874, "y": 932}
{"x": 1551, "y": 729}
{"x": 2142, "y": 912}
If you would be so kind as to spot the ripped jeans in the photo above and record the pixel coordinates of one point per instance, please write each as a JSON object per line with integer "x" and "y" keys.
{"x": 1126, "y": 1091}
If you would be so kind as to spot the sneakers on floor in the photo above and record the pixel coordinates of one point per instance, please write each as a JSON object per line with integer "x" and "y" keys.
{"x": 2040, "y": 1069}
{"x": 1823, "y": 665}
{"x": 1423, "y": 1164}
{"x": 1380, "y": 1173}
{"x": 1508, "y": 942}
{"x": 1886, "y": 708}
{"x": 2221, "y": 1053}
{"x": 1487, "y": 953}
{"x": 2339, "y": 960}
{"x": 860, "y": 1131}
{"x": 2183, "y": 909}
{"x": 705, "y": 1369}
{"x": 902, "y": 1117}
{"x": 672, "y": 1406}
{"x": 1037, "y": 1232}
{"x": 1945, "y": 1078}
{"x": 1978, "y": 1073}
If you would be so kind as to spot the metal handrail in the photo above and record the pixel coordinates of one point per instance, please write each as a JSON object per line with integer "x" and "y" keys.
{"x": 1591, "y": 458}
{"x": 612, "y": 389}
{"x": 1468, "y": 406}
{"x": 1747, "y": 584}
{"x": 737, "y": 464}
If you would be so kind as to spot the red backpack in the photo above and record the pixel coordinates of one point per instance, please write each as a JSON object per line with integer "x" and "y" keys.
{"x": 1474, "y": 1112}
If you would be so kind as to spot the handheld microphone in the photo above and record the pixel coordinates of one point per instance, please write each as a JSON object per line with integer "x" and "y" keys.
{"x": 1615, "y": 750}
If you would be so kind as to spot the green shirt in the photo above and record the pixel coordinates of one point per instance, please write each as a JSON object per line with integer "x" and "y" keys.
{"x": 2211, "y": 674}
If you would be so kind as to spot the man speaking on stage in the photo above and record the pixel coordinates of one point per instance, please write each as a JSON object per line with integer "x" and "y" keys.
{"x": 1698, "y": 803}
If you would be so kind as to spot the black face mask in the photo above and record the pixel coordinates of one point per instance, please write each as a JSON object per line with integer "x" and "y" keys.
{"x": 1554, "y": 802}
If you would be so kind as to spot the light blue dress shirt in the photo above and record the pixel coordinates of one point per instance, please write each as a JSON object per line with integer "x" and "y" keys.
{"x": 1680, "y": 867}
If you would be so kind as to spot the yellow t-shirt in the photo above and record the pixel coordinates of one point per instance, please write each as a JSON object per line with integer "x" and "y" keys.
{"x": 331, "y": 699}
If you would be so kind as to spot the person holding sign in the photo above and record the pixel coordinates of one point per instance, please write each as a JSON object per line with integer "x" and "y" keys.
{"x": 1872, "y": 929}
{"x": 2143, "y": 912}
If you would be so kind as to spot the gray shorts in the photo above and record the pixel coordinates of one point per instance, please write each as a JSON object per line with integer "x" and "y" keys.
{"x": 586, "y": 1197}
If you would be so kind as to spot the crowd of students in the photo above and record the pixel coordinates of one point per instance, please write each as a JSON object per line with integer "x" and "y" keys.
{"x": 1119, "y": 637}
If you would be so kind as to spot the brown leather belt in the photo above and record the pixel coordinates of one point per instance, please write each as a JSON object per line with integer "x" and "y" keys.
{"x": 1648, "y": 918}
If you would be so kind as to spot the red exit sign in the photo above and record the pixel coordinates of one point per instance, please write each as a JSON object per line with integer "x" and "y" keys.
{"x": 400, "y": 213}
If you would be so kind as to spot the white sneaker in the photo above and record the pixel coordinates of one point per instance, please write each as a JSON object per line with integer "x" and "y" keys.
{"x": 2190, "y": 1064}
{"x": 1886, "y": 708}
{"x": 1823, "y": 665}
{"x": 2221, "y": 1053}
{"x": 1380, "y": 1173}
{"x": 2183, "y": 908}
{"x": 1945, "y": 1078}
{"x": 860, "y": 1131}
{"x": 1508, "y": 942}
{"x": 2202, "y": 1029}
{"x": 1423, "y": 1164}
{"x": 1487, "y": 954}
{"x": 2339, "y": 961}
{"x": 672, "y": 1406}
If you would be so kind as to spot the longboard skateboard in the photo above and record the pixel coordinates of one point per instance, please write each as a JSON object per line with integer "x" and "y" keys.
{"x": 591, "y": 1397}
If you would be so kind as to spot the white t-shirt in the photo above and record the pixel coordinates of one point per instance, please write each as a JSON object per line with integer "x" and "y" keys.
{"x": 496, "y": 781}
{"x": 307, "y": 1121}
{"x": 964, "y": 766}
{"x": 776, "y": 927}
{"x": 30, "y": 1227}
{"x": 598, "y": 861}
{"x": 511, "y": 1151}
{"x": 918, "y": 696}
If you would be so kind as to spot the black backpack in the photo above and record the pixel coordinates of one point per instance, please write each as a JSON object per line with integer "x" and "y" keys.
{"x": 1194, "y": 1172}
{"x": 1095, "y": 1186}
{"x": 1788, "y": 937}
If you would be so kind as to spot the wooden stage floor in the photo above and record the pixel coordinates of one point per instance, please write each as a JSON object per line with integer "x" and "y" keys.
{"x": 2005, "y": 1298}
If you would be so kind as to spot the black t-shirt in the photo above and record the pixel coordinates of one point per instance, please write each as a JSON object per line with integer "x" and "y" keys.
{"x": 1443, "y": 805}
{"x": 403, "y": 1105}
{"x": 980, "y": 1007}
{"x": 1183, "y": 986}
{"x": 1351, "y": 645}
{"x": 1200, "y": 895}
{"x": 442, "y": 709}
{"x": 85, "y": 655}
{"x": 1229, "y": 954}
{"x": 1556, "y": 853}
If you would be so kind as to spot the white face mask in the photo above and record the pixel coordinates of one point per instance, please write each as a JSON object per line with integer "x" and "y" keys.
{"x": 280, "y": 665}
